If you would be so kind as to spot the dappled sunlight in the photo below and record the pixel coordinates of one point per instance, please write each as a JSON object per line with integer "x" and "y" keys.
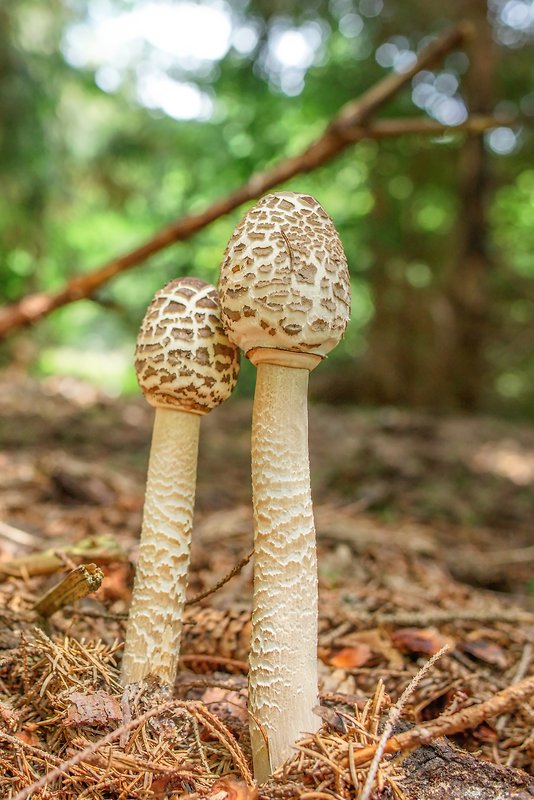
{"x": 507, "y": 459}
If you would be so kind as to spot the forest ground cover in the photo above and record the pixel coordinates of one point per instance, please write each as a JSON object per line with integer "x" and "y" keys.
{"x": 423, "y": 532}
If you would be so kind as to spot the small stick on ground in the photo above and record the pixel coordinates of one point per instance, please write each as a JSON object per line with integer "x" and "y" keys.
{"x": 98, "y": 549}
{"x": 82, "y": 581}
{"x": 446, "y": 725}
{"x": 439, "y": 616}
{"x": 234, "y": 571}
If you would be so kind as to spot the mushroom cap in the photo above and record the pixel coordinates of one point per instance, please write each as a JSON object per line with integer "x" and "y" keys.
{"x": 284, "y": 281}
{"x": 183, "y": 357}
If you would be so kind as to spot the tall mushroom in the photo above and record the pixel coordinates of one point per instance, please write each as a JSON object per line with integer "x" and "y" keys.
{"x": 284, "y": 293}
{"x": 185, "y": 367}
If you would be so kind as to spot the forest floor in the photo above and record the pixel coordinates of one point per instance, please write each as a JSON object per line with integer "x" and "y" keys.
{"x": 425, "y": 539}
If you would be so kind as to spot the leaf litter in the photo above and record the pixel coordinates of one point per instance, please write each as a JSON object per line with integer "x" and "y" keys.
{"x": 393, "y": 594}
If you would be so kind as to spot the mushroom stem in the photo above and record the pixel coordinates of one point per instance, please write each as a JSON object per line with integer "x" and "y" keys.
{"x": 283, "y": 658}
{"x": 155, "y": 620}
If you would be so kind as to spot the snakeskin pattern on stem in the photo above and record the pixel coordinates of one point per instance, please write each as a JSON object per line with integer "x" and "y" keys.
{"x": 283, "y": 654}
{"x": 156, "y": 613}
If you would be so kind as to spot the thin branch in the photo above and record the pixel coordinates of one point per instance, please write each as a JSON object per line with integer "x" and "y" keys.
{"x": 222, "y": 661}
{"x": 337, "y": 137}
{"x": 212, "y": 589}
{"x": 409, "y": 126}
{"x": 438, "y": 616}
{"x": 18, "y": 536}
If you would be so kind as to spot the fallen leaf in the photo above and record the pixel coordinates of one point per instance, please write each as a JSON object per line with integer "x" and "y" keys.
{"x": 487, "y": 651}
{"x": 117, "y": 583}
{"x": 29, "y": 737}
{"x": 226, "y": 704}
{"x": 348, "y": 657}
{"x": 234, "y": 789}
{"x": 379, "y": 642}
{"x": 419, "y": 640}
{"x": 96, "y": 709}
{"x": 331, "y": 716}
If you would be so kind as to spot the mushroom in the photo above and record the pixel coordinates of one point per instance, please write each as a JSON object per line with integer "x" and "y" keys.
{"x": 284, "y": 293}
{"x": 185, "y": 367}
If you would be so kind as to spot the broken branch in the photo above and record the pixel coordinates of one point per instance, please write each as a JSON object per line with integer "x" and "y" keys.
{"x": 339, "y": 134}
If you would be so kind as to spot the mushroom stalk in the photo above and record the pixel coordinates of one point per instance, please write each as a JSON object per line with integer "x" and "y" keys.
{"x": 155, "y": 620}
{"x": 283, "y": 656}
{"x": 284, "y": 293}
{"x": 185, "y": 366}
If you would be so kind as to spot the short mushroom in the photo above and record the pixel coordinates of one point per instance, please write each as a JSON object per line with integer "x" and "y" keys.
{"x": 284, "y": 293}
{"x": 185, "y": 367}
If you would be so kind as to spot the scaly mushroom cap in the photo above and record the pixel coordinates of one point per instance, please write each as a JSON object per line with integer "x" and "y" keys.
{"x": 284, "y": 281}
{"x": 183, "y": 357}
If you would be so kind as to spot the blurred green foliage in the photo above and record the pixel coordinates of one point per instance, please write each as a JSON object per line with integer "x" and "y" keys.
{"x": 93, "y": 160}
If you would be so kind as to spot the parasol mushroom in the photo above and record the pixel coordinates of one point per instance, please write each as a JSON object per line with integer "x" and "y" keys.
{"x": 284, "y": 293}
{"x": 185, "y": 367}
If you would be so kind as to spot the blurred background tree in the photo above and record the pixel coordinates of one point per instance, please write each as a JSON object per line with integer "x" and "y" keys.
{"x": 117, "y": 116}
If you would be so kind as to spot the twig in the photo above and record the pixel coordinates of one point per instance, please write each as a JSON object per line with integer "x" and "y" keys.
{"x": 93, "y": 614}
{"x": 393, "y": 717}
{"x": 221, "y": 732}
{"x": 521, "y": 671}
{"x": 409, "y": 126}
{"x": 29, "y": 748}
{"x": 470, "y": 717}
{"x": 337, "y": 137}
{"x": 76, "y": 585}
{"x": 438, "y": 616}
{"x": 237, "y": 568}
{"x": 189, "y": 658}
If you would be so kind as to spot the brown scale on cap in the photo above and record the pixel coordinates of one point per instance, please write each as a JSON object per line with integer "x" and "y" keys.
{"x": 284, "y": 281}
{"x": 183, "y": 358}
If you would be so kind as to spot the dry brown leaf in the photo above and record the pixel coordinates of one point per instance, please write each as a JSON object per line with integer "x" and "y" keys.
{"x": 225, "y": 703}
{"x": 117, "y": 583}
{"x": 349, "y": 657}
{"x": 230, "y": 788}
{"x": 29, "y": 737}
{"x": 487, "y": 651}
{"x": 380, "y": 644}
{"x": 96, "y": 709}
{"x": 419, "y": 640}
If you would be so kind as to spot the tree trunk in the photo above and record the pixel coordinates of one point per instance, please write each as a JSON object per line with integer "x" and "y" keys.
{"x": 426, "y": 345}
{"x": 467, "y": 279}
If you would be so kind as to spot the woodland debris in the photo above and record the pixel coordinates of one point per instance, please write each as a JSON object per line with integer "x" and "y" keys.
{"x": 75, "y": 586}
{"x": 103, "y": 549}
{"x": 446, "y": 725}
